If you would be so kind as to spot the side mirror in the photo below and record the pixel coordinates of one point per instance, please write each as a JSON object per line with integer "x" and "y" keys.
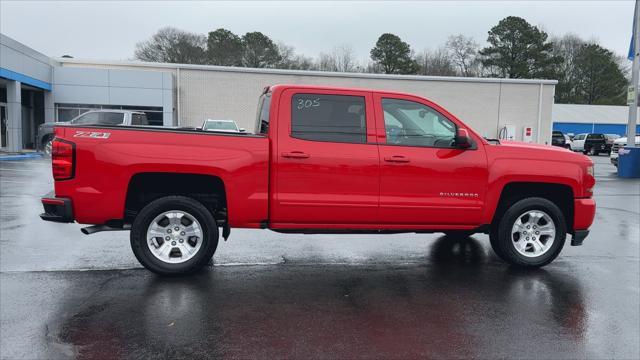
{"x": 242, "y": 130}
{"x": 463, "y": 140}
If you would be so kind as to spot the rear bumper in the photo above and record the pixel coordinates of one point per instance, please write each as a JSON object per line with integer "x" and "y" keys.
{"x": 584, "y": 213}
{"x": 56, "y": 209}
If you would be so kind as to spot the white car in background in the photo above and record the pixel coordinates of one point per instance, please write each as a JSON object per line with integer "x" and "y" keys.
{"x": 222, "y": 125}
{"x": 617, "y": 144}
{"x": 110, "y": 117}
{"x": 577, "y": 144}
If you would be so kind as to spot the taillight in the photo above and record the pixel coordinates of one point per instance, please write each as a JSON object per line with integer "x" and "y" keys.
{"x": 63, "y": 159}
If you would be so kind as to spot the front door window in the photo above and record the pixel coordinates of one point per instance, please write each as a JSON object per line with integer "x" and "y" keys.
{"x": 410, "y": 123}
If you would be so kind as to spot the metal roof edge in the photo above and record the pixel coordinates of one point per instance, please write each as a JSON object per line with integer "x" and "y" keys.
{"x": 70, "y": 61}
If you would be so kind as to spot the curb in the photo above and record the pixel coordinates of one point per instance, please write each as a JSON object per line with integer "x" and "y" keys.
{"x": 20, "y": 157}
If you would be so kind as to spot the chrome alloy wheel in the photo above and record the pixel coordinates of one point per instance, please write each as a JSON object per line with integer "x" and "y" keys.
{"x": 174, "y": 236}
{"x": 533, "y": 233}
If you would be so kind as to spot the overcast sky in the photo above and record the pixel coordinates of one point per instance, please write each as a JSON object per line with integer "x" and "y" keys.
{"x": 110, "y": 29}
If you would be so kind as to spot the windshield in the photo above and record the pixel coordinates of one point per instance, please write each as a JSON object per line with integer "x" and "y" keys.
{"x": 220, "y": 125}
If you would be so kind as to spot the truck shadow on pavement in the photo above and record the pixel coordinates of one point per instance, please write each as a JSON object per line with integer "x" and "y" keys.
{"x": 461, "y": 302}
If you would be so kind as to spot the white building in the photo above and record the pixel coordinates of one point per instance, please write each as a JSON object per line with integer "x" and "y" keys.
{"x": 35, "y": 88}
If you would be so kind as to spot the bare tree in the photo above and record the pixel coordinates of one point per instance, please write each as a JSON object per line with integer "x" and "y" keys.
{"x": 435, "y": 63}
{"x": 326, "y": 62}
{"x": 567, "y": 48}
{"x": 173, "y": 45}
{"x": 463, "y": 52}
{"x": 340, "y": 59}
{"x": 344, "y": 58}
{"x": 290, "y": 60}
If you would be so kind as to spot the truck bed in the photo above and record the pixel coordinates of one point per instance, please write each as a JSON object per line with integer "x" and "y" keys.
{"x": 240, "y": 161}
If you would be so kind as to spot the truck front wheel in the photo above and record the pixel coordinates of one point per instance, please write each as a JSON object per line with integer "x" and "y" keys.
{"x": 174, "y": 235}
{"x": 531, "y": 233}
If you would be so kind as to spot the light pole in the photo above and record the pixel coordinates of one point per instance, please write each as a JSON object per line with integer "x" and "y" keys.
{"x": 634, "y": 53}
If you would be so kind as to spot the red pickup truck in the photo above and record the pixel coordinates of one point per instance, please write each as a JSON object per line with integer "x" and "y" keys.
{"x": 324, "y": 160}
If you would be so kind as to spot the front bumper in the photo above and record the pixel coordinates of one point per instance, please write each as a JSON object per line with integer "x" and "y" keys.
{"x": 584, "y": 213}
{"x": 56, "y": 209}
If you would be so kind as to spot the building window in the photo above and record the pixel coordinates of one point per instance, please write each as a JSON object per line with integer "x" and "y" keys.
{"x": 67, "y": 112}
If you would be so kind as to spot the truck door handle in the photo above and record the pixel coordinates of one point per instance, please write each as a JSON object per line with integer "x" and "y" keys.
{"x": 397, "y": 159}
{"x": 295, "y": 155}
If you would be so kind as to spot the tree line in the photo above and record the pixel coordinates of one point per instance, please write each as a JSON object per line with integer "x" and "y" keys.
{"x": 587, "y": 73}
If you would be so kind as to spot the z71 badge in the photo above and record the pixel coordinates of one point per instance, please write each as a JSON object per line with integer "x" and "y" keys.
{"x": 92, "y": 134}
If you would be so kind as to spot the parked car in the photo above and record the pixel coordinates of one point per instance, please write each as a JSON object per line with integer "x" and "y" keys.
{"x": 617, "y": 144}
{"x": 610, "y": 138}
{"x": 95, "y": 117}
{"x": 592, "y": 144}
{"x": 560, "y": 139}
{"x": 325, "y": 160}
{"x": 221, "y": 125}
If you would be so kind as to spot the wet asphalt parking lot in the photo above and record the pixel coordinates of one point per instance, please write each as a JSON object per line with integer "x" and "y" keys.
{"x": 67, "y": 295}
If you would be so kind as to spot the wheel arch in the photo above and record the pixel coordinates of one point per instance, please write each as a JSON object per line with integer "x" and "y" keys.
{"x": 145, "y": 187}
{"x": 561, "y": 195}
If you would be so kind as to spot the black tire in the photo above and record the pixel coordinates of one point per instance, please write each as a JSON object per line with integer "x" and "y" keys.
{"x": 593, "y": 152}
{"x": 501, "y": 234}
{"x": 168, "y": 203}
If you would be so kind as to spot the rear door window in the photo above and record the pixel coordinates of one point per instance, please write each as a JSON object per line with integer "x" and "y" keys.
{"x": 334, "y": 118}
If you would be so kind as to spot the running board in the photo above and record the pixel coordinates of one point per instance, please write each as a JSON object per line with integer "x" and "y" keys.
{"x": 99, "y": 228}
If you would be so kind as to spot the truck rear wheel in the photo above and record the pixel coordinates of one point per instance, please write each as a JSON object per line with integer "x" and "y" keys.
{"x": 531, "y": 233}
{"x": 174, "y": 235}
